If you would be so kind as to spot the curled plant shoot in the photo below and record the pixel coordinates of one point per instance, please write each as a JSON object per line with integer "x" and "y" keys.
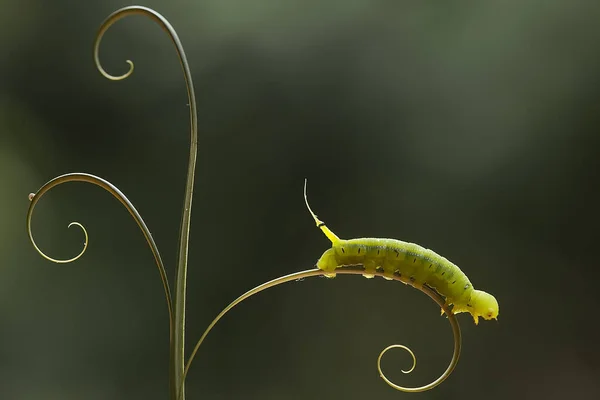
{"x": 115, "y": 192}
{"x": 176, "y": 304}
{"x": 298, "y": 276}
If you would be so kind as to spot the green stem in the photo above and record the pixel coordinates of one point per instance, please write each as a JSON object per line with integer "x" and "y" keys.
{"x": 181, "y": 279}
{"x": 178, "y": 342}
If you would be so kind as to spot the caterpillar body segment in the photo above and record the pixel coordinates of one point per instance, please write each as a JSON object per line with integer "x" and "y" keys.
{"x": 420, "y": 265}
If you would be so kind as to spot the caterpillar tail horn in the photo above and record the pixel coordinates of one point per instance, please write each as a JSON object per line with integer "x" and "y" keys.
{"x": 320, "y": 224}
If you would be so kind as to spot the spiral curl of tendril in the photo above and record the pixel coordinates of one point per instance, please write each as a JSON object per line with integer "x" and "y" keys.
{"x": 299, "y": 276}
{"x": 113, "y": 190}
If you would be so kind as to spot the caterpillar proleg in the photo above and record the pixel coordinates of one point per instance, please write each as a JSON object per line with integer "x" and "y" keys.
{"x": 422, "y": 266}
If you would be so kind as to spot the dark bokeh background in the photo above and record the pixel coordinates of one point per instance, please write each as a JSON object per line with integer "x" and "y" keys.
{"x": 469, "y": 128}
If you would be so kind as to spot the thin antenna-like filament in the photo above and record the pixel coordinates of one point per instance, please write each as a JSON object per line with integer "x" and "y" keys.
{"x": 352, "y": 271}
{"x": 320, "y": 224}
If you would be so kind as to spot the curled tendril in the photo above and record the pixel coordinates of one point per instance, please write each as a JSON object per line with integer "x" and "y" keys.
{"x": 178, "y": 344}
{"x": 298, "y": 276}
{"x": 114, "y": 17}
{"x": 396, "y": 346}
{"x": 56, "y": 260}
{"x": 113, "y": 190}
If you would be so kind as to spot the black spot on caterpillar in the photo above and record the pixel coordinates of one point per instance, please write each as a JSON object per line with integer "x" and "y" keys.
{"x": 387, "y": 258}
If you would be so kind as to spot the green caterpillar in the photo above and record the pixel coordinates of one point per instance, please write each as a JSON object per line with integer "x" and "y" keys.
{"x": 422, "y": 266}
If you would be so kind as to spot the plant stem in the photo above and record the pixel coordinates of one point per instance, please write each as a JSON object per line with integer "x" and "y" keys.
{"x": 181, "y": 280}
{"x": 184, "y": 238}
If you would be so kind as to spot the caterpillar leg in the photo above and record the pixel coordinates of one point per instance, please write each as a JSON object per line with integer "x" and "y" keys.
{"x": 328, "y": 263}
{"x": 370, "y": 269}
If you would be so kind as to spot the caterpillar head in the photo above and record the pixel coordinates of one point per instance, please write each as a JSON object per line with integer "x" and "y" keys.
{"x": 483, "y": 305}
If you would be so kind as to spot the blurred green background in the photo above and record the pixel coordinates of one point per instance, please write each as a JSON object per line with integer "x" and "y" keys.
{"x": 470, "y": 128}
